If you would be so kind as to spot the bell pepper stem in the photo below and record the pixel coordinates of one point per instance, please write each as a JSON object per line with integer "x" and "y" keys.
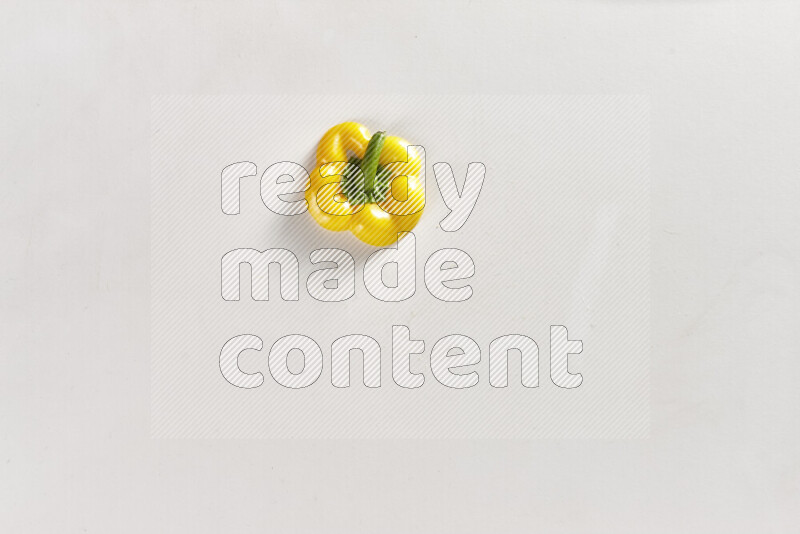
{"x": 369, "y": 165}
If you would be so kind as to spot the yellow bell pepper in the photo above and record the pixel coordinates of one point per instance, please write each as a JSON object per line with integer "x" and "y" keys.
{"x": 368, "y": 184}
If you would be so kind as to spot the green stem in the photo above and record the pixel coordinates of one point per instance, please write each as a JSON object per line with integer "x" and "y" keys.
{"x": 369, "y": 165}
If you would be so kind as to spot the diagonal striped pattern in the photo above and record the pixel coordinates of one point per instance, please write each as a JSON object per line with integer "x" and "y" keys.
{"x": 229, "y": 361}
{"x": 559, "y": 236}
{"x": 259, "y": 262}
{"x": 499, "y": 352}
{"x": 341, "y": 276}
{"x": 403, "y": 256}
{"x": 561, "y": 347}
{"x": 341, "y": 353}
{"x": 230, "y": 181}
{"x": 462, "y": 202}
{"x": 443, "y": 359}
{"x": 279, "y": 361}
{"x": 449, "y": 265}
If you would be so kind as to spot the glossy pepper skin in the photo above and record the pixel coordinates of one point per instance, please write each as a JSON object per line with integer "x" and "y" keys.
{"x": 342, "y": 196}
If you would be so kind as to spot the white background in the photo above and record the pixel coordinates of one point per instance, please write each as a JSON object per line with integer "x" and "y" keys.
{"x": 76, "y": 80}
{"x": 559, "y": 236}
